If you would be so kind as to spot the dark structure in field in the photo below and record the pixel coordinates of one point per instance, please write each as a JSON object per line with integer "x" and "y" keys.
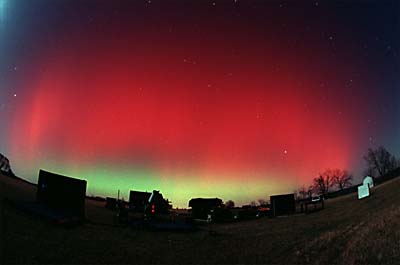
{"x": 138, "y": 200}
{"x": 62, "y": 193}
{"x": 150, "y": 204}
{"x": 201, "y": 207}
{"x": 157, "y": 204}
{"x": 311, "y": 204}
{"x": 111, "y": 203}
{"x": 283, "y": 204}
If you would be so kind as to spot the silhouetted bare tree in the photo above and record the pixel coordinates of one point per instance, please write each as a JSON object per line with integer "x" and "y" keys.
{"x": 380, "y": 161}
{"x": 322, "y": 183}
{"x": 230, "y": 204}
{"x": 341, "y": 178}
{"x": 310, "y": 191}
{"x": 369, "y": 171}
{"x": 302, "y": 193}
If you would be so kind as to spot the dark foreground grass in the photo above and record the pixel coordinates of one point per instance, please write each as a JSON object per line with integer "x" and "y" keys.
{"x": 348, "y": 231}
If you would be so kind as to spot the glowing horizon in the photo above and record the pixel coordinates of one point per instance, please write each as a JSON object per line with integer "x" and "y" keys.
{"x": 196, "y": 100}
{"x": 197, "y": 137}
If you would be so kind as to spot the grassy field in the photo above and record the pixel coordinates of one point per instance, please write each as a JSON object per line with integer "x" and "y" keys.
{"x": 348, "y": 231}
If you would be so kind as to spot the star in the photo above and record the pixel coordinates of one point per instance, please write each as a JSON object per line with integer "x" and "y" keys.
{"x": 285, "y": 152}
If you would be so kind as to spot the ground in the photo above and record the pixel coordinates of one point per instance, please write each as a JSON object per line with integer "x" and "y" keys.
{"x": 348, "y": 231}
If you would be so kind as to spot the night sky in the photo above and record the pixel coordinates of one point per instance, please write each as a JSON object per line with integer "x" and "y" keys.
{"x": 230, "y": 99}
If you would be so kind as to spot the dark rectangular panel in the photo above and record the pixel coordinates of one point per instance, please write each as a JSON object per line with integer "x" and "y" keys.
{"x": 62, "y": 193}
{"x": 283, "y": 204}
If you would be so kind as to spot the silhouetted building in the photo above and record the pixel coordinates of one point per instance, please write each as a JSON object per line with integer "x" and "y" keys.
{"x": 283, "y": 204}
{"x": 157, "y": 205}
{"x": 201, "y": 207}
{"x": 62, "y": 193}
{"x": 138, "y": 200}
{"x": 151, "y": 204}
{"x": 111, "y": 203}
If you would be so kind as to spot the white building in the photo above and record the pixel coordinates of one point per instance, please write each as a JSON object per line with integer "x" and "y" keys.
{"x": 363, "y": 190}
{"x": 368, "y": 181}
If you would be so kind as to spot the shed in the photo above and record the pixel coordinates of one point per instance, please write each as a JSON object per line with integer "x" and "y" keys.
{"x": 283, "y": 204}
{"x": 62, "y": 193}
{"x": 138, "y": 200}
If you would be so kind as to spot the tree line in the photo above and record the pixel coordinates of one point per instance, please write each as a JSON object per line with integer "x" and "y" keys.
{"x": 380, "y": 162}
